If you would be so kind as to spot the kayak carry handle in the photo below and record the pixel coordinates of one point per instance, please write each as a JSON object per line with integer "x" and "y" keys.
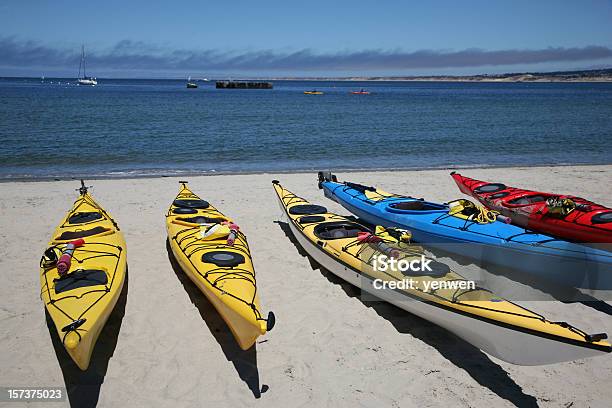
{"x": 275, "y": 182}
{"x": 182, "y": 182}
{"x": 74, "y": 325}
{"x": 595, "y": 337}
{"x": 324, "y": 176}
{"x": 83, "y": 189}
{"x": 270, "y": 321}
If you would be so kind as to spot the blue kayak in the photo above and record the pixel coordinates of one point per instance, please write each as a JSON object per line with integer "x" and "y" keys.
{"x": 463, "y": 228}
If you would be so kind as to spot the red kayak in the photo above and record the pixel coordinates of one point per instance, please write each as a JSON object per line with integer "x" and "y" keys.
{"x": 569, "y": 217}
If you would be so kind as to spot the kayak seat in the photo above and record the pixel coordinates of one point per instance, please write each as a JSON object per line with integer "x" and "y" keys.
{"x": 416, "y": 205}
{"x": 79, "y": 279}
{"x": 307, "y": 209}
{"x": 527, "y": 200}
{"x": 338, "y": 230}
{"x": 200, "y": 219}
{"x": 201, "y": 204}
{"x": 224, "y": 259}
{"x": 83, "y": 217}
{"x": 70, "y": 235}
{"x": 438, "y": 270}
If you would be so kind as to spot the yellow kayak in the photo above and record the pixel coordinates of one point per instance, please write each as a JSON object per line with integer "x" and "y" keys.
{"x": 313, "y": 93}
{"x": 497, "y": 326}
{"x": 80, "y": 300}
{"x": 215, "y": 255}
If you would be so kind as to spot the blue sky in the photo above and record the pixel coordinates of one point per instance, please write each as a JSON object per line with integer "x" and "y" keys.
{"x": 334, "y": 37}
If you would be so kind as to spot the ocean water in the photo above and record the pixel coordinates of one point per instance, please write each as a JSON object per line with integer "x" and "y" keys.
{"x": 52, "y": 128}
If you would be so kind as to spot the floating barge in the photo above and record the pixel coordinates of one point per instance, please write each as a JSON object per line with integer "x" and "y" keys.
{"x": 243, "y": 85}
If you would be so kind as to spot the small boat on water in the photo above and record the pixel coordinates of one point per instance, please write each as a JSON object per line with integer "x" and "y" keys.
{"x": 313, "y": 92}
{"x": 191, "y": 84}
{"x": 361, "y": 92}
{"x": 85, "y": 80}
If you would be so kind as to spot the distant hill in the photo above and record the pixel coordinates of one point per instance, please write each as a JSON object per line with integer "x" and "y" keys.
{"x": 592, "y": 75}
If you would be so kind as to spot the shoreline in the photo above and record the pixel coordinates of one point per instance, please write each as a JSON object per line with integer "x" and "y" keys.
{"x": 298, "y": 171}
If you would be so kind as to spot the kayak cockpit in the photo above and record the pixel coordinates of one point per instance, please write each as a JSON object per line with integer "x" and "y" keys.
{"x": 526, "y": 199}
{"x": 415, "y": 206}
{"x": 339, "y": 230}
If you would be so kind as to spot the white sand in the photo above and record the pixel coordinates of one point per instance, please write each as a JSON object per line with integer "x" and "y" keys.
{"x": 328, "y": 347}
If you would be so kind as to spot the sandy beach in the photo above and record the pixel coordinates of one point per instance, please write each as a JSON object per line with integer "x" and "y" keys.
{"x": 165, "y": 345}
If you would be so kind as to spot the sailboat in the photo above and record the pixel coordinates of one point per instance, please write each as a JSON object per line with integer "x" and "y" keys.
{"x": 191, "y": 84}
{"x": 85, "y": 80}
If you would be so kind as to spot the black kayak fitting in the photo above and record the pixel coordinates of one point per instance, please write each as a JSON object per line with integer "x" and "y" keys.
{"x": 201, "y": 204}
{"x": 74, "y": 325}
{"x": 223, "y": 258}
{"x": 180, "y": 210}
{"x": 307, "y": 209}
{"x": 490, "y": 188}
{"x": 308, "y": 219}
{"x": 70, "y": 235}
{"x": 338, "y": 230}
{"x": 83, "y": 217}
{"x": 360, "y": 187}
{"x": 80, "y": 278}
{"x": 415, "y": 205}
{"x": 326, "y": 176}
{"x": 499, "y": 195}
